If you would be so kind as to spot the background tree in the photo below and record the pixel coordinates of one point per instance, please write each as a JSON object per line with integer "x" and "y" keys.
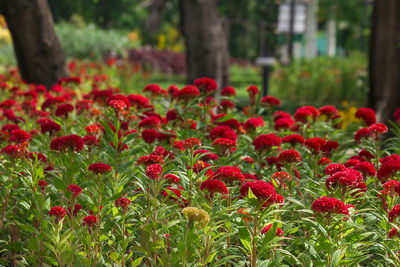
{"x": 40, "y": 57}
{"x": 206, "y": 45}
{"x": 384, "y": 59}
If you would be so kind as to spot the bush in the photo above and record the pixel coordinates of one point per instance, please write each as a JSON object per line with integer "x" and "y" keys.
{"x": 322, "y": 80}
{"x": 90, "y": 42}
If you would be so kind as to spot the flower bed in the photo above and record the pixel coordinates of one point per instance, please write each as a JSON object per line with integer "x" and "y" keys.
{"x": 176, "y": 177}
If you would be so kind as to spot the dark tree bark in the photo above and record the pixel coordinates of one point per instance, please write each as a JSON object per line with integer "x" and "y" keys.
{"x": 384, "y": 59}
{"x": 41, "y": 59}
{"x": 206, "y": 45}
{"x": 154, "y": 22}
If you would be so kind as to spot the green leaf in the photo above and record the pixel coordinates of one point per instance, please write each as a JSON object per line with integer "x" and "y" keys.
{"x": 137, "y": 261}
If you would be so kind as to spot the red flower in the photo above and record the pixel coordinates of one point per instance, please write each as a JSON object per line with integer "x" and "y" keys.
{"x": 367, "y": 115}
{"x": 99, "y": 168}
{"x": 64, "y": 109}
{"x": 329, "y": 205}
{"x": 289, "y": 156}
{"x": 91, "y": 141}
{"x": 123, "y": 203}
{"x": 69, "y": 142}
{"x": 150, "y": 159}
{"x": 222, "y": 132}
{"x": 377, "y": 129}
{"x": 266, "y": 141}
{"x": 265, "y": 230}
{"x": 265, "y": 192}
{"x": 224, "y": 145}
{"x": 49, "y": 126}
{"x": 390, "y": 187}
{"x": 324, "y": 161}
{"x": 205, "y": 155}
{"x": 362, "y": 133}
{"x": 207, "y": 84}
{"x": 329, "y": 111}
{"x": 19, "y": 136}
{"x": 14, "y": 151}
{"x": 171, "y": 178}
{"x": 315, "y": 144}
{"x": 281, "y": 115}
{"x": 191, "y": 142}
{"x": 42, "y": 184}
{"x": 228, "y": 91}
{"x": 176, "y": 191}
{"x": 89, "y": 221}
{"x": 346, "y": 178}
{"x": 200, "y": 166}
{"x": 388, "y": 169}
{"x": 253, "y": 123}
{"x": 187, "y": 93}
{"x": 138, "y": 101}
{"x": 334, "y": 168}
{"x": 153, "y": 171}
{"x": 74, "y": 189}
{"x": 366, "y": 168}
{"x": 214, "y": 186}
{"x": 283, "y": 123}
{"x": 229, "y": 174}
{"x": 253, "y": 92}
{"x": 149, "y": 135}
{"x": 329, "y": 146}
{"x": 154, "y": 89}
{"x": 303, "y": 114}
{"x": 293, "y": 139}
{"x": 366, "y": 154}
{"x": 58, "y": 213}
{"x": 150, "y": 123}
{"x": 393, "y": 233}
{"x": 281, "y": 176}
{"x": 394, "y": 213}
{"x": 117, "y": 105}
{"x": 270, "y": 101}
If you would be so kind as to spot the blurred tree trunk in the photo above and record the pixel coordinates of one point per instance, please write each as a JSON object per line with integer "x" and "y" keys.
{"x": 311, "y": 49}
{"x": 154, "y": 22}
{"x": 384, "y": 59}
{"x": 206, "y": 45}
{"x": 40, "y": 57}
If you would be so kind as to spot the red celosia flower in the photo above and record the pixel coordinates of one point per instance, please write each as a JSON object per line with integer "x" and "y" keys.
{"x": 303, "y": 114}
{"x": 49, "y": 126}
{"x": 52, "y": 101}
{"x": 270, "y": 101}
{"x": 315, "y": 144}
{"x": 58, "y": 213}
{"x": 389, "y": 158}
{"x": 191, "y": 142}
{"x": 394, "y": 213}
{"x": 19, "y": 136}
{"x": 266, "y": 141}
{"x": 69, "y": 142}
{"x": 138, "y": 101}
{"x": 229, "y": 174}
{"x": 225, "y": 105}
{"x": 388, "y": 169}
{"x": 64, "y": 109}
{"x": 149, "y": 135}
{"x": 222, "y": 132}
{"x": 205, "y": 155}
{"x": 92, "y": 130}
{"x": 248, "y": 160}
{"x": 77, "y": 208}
{"x": 171, "y": 178}
{"x": 89, "y": 221}
{"x": 150, "y": 159}
{"x": 293, "y": 139}
{"x": 253, "y": 123}
{"x": 171, "y": 115}
{"x": 281, "y": 176}
{"x": 224, "y": 145}
{"x": 347, "y": 178}
{"x": 393, "y": 233}
{"x": 9, "y": 127}
{"x": 329, "y": 147}
{"x": 390, "y": 187}
{"x": 324, "y": 161}
{"x": 289, "y": 156}
{"x": 281, "y": 115}
{"x": 176, "y": 189}
{"x": 74, "y": 189}
{"x": 283, "y": 123}
{"x": 228, "y": 91}
{"x": 83, "y": 104}
{"x": 187, "y": 93}
{"x": 91, "y": 141}
{"x": 233, "y": 123}
{"x": 250, "y": 177}
{"x": 329, "y": 111}
{"x": 366, "y": 168}
{"x": 153, "y": 171}
{"x": 207, "y": 84}
{"x": 150, "y": 123}
{"x": 377, "y": 129}
{"x": 265, "y": 230}
{"x": 14, "y": 151}
{"x": 367, "y": 115}
{"x": 264, "y": 191}
{"x": 214, "y": 186}
{"x": 253, "y": 92}
{"x": 42, "y": 184}
{"x": 362, "y": 133}
{"x": 329, "y": 205}
{"x": 152, "y": 88}
{"x": 99, "y": 168}
{"x": 334, "y": 168}
{"x": 351, "y": 162}
{"x": 123, "y": 203}
{"x": 200, "y": 166}
{"x": 117, "y": 105}
{"x": 366, "y": 154}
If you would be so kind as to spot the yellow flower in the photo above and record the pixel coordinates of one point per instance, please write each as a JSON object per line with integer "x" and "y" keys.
{"x": 197, "y": 215}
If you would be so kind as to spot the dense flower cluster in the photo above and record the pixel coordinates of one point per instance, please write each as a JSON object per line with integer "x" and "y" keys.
{"x": 329, "y": 205}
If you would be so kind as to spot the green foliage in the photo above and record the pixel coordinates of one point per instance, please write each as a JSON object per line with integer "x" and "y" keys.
{"x": 91, "y": 42}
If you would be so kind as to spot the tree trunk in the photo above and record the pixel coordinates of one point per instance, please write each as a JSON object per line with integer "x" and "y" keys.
{"x": 311, "y": 49}
{"x": 40, "y": 57}
{"x": 154, "y": 22}
{"x": 206, "y": 45}
{"x": 384, "y": 59}
{"x": 331, "y": 30}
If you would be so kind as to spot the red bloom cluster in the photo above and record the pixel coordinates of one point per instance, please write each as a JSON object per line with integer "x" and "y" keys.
{"x": 222, "y": 132}
{"x": 214, "y": 186}
{"x": 283, "y": 123}
{"x": 48, "y": 125}
{"x": 266, "y": 141}
{"x": 171, "y": 178}
{"x": 329, "y": 111}
{"x": 187, "y": 93}
{"x": 150, "y": 159}
{"x": 270, "y": 101}
{"x": 58, "y": 213}
{"x": 315, "y": 144}
{"x": 42, "y": 184}
{"x": 191, "y": 142}
{"x": 207, "y": 84}
{"x": 253, "y": 123}
{"x": 123, "y": 203}
{"x": 150, "y": 123}
{"x": 205, "y": 155}
{"x": 153, "y": 171}
{"x": 74, "y": 189}
{"x": 347, "y": 178}
{"x": 366, "y": 168}
{"x": 89, "y": 221}
{"x": 289, "y": 156}
{"x": 388, "y": 169}
{"x": 367, "y": 115}
{"x": 394, "y": 213}
{"x": 69, "y": 142}
{"x": 293, "y": 139}
{"x": 264, "y": 191}
{"x": 19, "y": 136}
{"x": 329, "y": 205}
{"x": 224, "y": 145}
{"x": 228, "y": 91}
{"x": 229, "y": 174}
{"x": 64, "y": 109}
{"x": 265, "y": 230}
{"x": 99, "y": 168}
{"x": 334, "y": 168}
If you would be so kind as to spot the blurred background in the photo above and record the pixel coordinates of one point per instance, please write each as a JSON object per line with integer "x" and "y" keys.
{"x": 305, "y": 52}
